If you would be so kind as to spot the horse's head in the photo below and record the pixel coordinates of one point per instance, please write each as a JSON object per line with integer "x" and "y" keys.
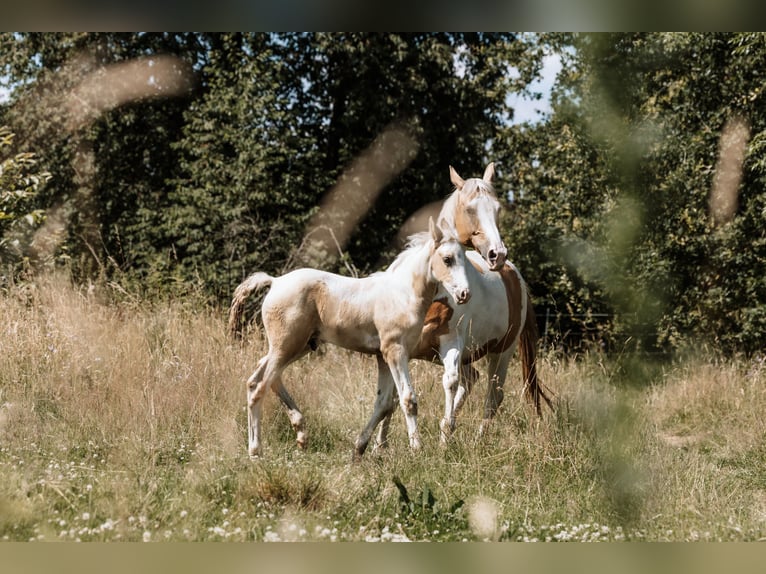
{"x": 448, "y": 262}
{"x": 476, "y": 216}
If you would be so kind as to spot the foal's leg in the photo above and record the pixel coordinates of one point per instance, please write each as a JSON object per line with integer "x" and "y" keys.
{"x": 293, "y": 412}
{"x": 387, "y": 388}
{"x": 384, "y": 406}
{"x": 257, "y": 385}
{"x": 396, "y": 358}
{"x": 450, "y": 356}
{"x": 496, "y": 370}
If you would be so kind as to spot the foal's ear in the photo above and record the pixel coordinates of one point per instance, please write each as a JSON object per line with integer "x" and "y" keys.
{"x": 456, "y": 180}
{"x": 489, "y": 173}
{"x": 436, "y": 232}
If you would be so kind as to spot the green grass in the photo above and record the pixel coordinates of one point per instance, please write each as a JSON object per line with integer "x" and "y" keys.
{"x": 127, "y": 422}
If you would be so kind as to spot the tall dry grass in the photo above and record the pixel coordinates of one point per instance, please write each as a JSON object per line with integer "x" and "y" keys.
{"x": 126, "y": 421}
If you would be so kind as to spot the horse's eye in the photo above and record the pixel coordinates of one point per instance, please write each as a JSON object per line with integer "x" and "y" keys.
{"x": 477, "y": 232}
{"x": 449, "y": 260}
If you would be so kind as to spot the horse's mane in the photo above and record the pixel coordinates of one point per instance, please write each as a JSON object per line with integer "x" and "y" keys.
{"x": 477, "y": 186}
{"x": 414, "y": 243}
{"x": 417, "y": 241}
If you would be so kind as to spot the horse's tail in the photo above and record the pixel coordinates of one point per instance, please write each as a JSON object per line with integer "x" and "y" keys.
{"x": 256, "y": 281}
{"x": 533, "y": 389}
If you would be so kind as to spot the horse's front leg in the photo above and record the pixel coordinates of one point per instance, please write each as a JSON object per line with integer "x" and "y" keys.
{"x": 386, "y": 391}
{"x": 450, "y": 352}
{"x": 496, "y": 370}
{"x": 396, "y": 358}
{"x": 384, "y": 407}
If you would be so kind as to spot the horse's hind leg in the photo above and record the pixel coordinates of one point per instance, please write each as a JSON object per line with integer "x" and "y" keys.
{"x": 496, "y": 371}
{"x": 468, "y": 377}
{"x": 268, "y": 371}
{"x": 257, "y": 385}
{"x": 293, "y": 412}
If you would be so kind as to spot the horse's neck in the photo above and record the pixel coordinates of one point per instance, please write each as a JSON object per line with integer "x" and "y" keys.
{"x": 449, "y": 208}
{"x": 414, "y": 272}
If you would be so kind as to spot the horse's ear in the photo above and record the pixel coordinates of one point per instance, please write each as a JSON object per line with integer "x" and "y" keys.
{"x": 436, "y": 232}
{"x": 446, "y": 228}
{"x": 489, "y": 173}
{"x": 456, "y": 180}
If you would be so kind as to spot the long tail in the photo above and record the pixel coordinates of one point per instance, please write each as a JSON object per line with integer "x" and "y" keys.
{"x": 533, "y": 389}
{"x": 256, "y": 281}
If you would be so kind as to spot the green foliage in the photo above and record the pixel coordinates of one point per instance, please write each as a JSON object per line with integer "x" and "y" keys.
{"x": 203, "y": 187}
{"x": 20, "y": 181}
{"x": 611, "y": 221}
{"x": 613, "y": 208}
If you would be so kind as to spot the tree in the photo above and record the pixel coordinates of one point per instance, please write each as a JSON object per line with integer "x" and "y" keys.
{"x": 20, "y": 181}
{"x": 615, "y": 209}
{"x": 223, "y": 175}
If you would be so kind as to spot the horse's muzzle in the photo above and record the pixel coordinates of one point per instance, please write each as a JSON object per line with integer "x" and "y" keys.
{"x": 496, "y": 258}
{"x": 462, "y": 297}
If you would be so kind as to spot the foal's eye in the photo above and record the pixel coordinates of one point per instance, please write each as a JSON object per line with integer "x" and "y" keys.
{"x": 475, "y": 233}
{"x": 449, "y": 260}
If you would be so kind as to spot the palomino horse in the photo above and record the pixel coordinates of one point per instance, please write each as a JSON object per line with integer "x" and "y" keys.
{"x": 381, "y": 314}
{"x": 473, "y": 210}
{"x": 498, "y": 319}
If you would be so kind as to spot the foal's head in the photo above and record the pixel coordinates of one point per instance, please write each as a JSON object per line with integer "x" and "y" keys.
{"x": 448, "y": 263}
{"x": 476, "y": 216}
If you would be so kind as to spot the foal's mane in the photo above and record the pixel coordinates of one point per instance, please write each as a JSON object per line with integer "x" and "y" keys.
{"x": 414, "y": 243}
{"x": 417, "y": 241}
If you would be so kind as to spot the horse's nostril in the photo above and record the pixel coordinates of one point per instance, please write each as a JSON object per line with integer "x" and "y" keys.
{"x": 492, "y": 255}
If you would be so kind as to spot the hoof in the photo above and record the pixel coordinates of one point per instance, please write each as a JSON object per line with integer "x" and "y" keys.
{"x": 446, "y": 428}
{"x": 254, "y": 452}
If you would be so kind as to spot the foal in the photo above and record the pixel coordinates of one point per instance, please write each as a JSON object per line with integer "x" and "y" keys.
{"x": 381, "y": 314}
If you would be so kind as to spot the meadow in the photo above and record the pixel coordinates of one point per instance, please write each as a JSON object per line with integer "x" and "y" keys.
{"x": 122, "y": 419}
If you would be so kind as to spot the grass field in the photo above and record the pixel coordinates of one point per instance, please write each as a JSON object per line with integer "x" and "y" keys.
{"x": 126, "y": 421}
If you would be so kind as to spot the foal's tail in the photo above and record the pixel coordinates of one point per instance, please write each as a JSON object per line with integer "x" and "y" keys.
{"x": 256, "y": 281}
{"x": 533, "y": 389}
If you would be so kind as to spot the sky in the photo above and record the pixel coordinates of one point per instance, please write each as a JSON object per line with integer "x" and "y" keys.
{"x": 533, "y": 111}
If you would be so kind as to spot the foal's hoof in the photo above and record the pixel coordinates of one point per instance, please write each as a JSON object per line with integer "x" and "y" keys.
{"x": 302, "y": 440}
{"x": 447, "y": 428}
{"x": 255, "y": 454}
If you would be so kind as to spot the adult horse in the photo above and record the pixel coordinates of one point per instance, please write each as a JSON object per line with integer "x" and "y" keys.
{"x": 381, "y": 314}
{"x": 497, "y": 320}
